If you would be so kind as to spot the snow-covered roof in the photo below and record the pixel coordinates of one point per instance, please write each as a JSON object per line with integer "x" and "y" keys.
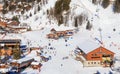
{"x": 4, "y": 70}
{"x": 89, "y": 45}
{"x": 10, "y": 40}
{"x": 63, "y": 28}
{"x": 14, "y": 61}
{"x": 35, "y": 63}
{"x": 24, "y": 59}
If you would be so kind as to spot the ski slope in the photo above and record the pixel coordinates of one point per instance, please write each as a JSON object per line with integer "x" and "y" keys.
{"x": 99, "y": 17}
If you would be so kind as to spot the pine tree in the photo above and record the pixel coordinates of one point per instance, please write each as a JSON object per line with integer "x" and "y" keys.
{"x": 38, "y": 1}
{"x": 116, "y": 6}
{"x": 89, "y": 26}
{"x": 30, "y": 14}
{"x": 94, "y": 1}
{"x": 4, "y": 11}
{"x": 60, "y": 6}
{"x": 66, "y": 4}
{"x": 60, "y": 20}
{"x": 81, "y": 19}
{"x": 5, "y": 4}
{"x": 15, "y": 18}
{"x": 76, "y": 23}
{"x": 12, "y": 7}
{"x": 105, "y": 3}
{"x": 38, "y": 8}
{"x": 35, "y": 12}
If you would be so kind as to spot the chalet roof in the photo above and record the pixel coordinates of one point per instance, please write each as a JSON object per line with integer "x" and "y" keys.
{"x": 10, "y": 40}
{"x": 24, "y": 59}
{"x": 89, "y": 45}
{"x": 53, "y": 29}
{"x": 16, "y": 27}
{"x": 63, "y": 28}
{"x": 15, "y": 23}
{"x": 35, "y": 63}
{"x": 61, "y": 32}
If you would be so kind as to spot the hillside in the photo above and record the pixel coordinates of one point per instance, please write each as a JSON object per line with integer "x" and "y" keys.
{"x": 92, "y": 22}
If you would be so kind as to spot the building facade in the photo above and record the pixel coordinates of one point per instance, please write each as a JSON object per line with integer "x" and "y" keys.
{"x": 8, "y": 45}
{"x": 95, "y": 55}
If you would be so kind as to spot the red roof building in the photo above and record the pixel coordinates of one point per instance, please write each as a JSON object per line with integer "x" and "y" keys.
{"x": 95, "y": 54}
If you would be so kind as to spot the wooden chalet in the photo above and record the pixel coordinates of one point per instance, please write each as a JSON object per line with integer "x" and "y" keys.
{"x": 95, "y": 54}
{"x": 57, "y": 34}
{"x": 3, "y": 24}
{"x": 14, "y": 23}
{"x": 21, "y": 63}
{"x": 17, "y": 29}
{"x": 61, "y": 33}
{"x": 52, "y": 36}
{"x": 7, "y": 45}
{"x": 18, "y": 10}
{"x": 53, "y": 31}
{"x": 69, "y": 32}
{"x": 3, "y": 66}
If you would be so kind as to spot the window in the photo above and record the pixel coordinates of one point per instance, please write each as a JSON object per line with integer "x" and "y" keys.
{"x": 95, "y": 57}
{"x": 91, "y": 62}
{"x": 94, "y": 54}
{"x": 106, "y": 55}
{"x": 94, "y": 62}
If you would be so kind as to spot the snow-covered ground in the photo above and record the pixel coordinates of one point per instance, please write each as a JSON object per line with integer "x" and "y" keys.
{"x": 103, "y": 18}
{"x": 61, "y": 49}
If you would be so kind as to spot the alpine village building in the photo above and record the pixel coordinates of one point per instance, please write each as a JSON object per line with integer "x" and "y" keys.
{"x": 58, "y": 34}
{"x": 7, "y": 45}
{"x": 92, "y": 54}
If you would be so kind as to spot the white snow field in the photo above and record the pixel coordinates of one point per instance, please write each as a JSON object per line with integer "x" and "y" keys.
{"x": 104, "y": 19}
